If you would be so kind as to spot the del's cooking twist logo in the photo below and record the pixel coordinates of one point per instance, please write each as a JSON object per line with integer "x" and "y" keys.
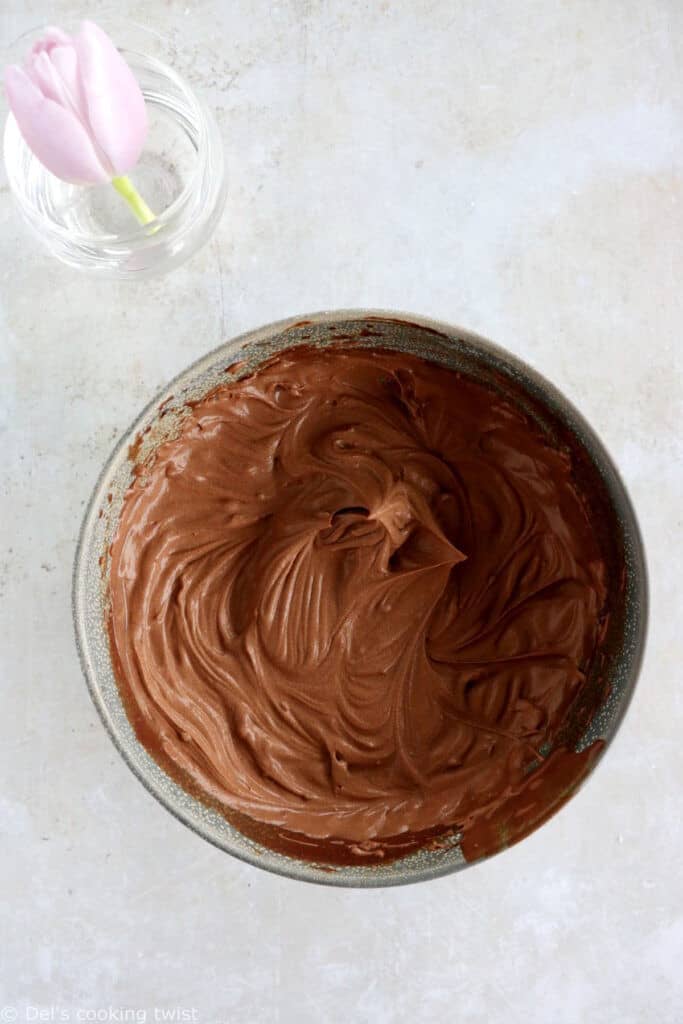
{"x": 101, "y": 1015}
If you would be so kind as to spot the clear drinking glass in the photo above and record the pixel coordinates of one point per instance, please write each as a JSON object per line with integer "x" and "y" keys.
{"x": 180, "y": 175}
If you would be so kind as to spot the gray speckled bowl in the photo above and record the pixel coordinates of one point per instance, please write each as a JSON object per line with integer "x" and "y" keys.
{"x": 440, "y": 343}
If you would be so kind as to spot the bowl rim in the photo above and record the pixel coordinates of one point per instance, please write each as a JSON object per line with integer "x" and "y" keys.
{"x": 252, "y": 852}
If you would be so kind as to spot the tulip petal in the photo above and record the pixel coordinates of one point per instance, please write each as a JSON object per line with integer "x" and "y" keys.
{"x": 65, "y": 62}
{"x": 49, "y": 82}
{"x": 115, "y": 104}
{"x": 56, "y": 75}
{"x": 52, "y": 36}
{"x": 54, "y": 134}
{"x": 31, "y": 72}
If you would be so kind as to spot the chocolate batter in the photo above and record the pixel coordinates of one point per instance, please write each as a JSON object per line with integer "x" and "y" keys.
{"x": 354, "y": 599}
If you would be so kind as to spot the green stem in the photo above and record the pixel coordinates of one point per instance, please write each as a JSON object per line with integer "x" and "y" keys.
{"x": 125, "y": 187}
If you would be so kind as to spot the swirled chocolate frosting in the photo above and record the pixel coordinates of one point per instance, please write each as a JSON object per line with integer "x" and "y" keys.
{"x": 354, "y": 598}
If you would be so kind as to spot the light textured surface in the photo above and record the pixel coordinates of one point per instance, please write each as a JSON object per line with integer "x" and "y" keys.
{"x": 514, "y": 167}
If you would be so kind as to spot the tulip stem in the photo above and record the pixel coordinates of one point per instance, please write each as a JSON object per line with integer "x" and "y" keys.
{"x": 125, "y": 187}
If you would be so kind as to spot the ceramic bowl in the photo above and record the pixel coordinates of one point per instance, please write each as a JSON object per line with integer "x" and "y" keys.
{"x": 452, "y": 347}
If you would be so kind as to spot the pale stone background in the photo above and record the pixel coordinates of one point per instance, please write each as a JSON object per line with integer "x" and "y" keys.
{"x": 516, "y": 167}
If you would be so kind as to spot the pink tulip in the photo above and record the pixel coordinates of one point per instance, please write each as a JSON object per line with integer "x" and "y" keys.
{"x": 80, "y": 109}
